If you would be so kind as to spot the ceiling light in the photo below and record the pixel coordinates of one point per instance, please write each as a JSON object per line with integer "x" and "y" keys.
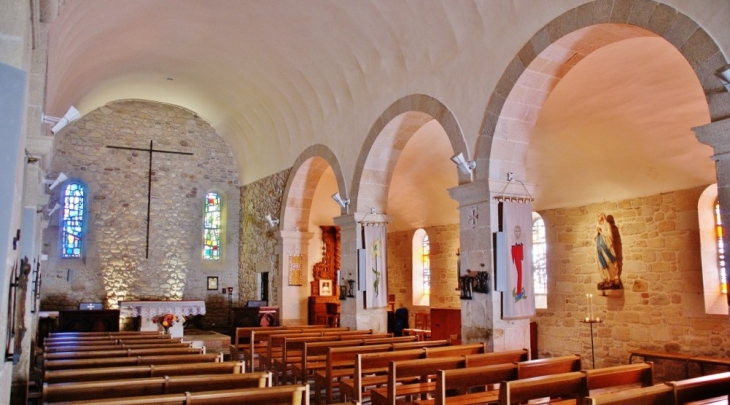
{"x": 464, "y": 166}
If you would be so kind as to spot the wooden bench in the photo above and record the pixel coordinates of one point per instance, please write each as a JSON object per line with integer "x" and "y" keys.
{"x": 417, "y": 370}
{"x": 700, "y": 388}
{"x": 660, "y": 394}
{"x": 624, "y": 376}
{"x": 122, "y": 353}
{"x": 556, "y": 386}
{"x": 64, "y": 349}
{"x": 80, "y": 391}
{"x": 651, "y": 354}
{"x": 462, "y": 381}
{"x": 703, "y": 361}
{"x": 283, "y": 395}
{"x": 129, "y": 361}
{"x": 144, "y": 371}
{"x": 259, "y": 341}
{"x": 371, "y": 370}
{"x": 492, "y": 358}
{"x": 553, "y": 365}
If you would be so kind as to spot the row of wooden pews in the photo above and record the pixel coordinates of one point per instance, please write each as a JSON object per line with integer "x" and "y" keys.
{"x": 144, "y": 368}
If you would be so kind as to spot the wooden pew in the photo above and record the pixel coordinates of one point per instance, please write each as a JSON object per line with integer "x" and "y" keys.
{"x": 242, "y": 338}
{"x": 97, "y": 334}
{"x": 122, "y": 353}
{"x": 143, "y": 371}
{"x": 563, "y": 386}
{"x": 553, "y": 365}
{"x": 62, "y": 349}
{"x": 258, "y": 343}
{"x": 371, "y": 369}
{"x": 700, "y": 388}
{"x": 417, "y": 370}
{"x": 129, "y": 361}
{"x": 80, "y": 391}
{"x": 457, "y": 350}
{"x": 283, "y": 395}
{"x": 651, "y": 354}
{"x": 660, "y": 394}
{"x": 276, "y": 349}
{"x": 492, "y": 358}
{"x": 463, "y": 380}
{"x": 620, "y": 376}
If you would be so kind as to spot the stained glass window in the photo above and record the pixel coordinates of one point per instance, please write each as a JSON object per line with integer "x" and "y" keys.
{"x": 426, "y": 266}
{"x": 720, "y": 249}
{"x": 72, "y": 220}
{"x": 212, "y": 227}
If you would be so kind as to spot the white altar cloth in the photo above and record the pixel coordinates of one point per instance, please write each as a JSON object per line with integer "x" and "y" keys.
{"x": 148, "y": 310}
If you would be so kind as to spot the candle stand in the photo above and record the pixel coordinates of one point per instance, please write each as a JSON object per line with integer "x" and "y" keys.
{"x": 593, "y": 352}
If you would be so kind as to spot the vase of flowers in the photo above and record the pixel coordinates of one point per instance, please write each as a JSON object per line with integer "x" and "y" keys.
{"x": 166, "y": 321}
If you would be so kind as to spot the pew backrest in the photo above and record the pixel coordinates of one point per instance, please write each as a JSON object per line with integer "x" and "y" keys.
{"x": 564, "y": 386}
{"x": 699, "y": 388}
{"x": 461, "y": 380}
{"x": 123, "y": 353}
{"x": 660, "y": 394}
{"x": 624, "y": 375}
{"x": 456, "y": 350}
{"x": 143, "y": 371}
{"x": 129, "y": 361}
{"x": 553, "y": 365}
{"x": 488, "y": 359}
{"x": 399, "y": 370}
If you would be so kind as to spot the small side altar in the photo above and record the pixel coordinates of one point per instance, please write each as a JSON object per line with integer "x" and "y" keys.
{"x": 148, "y": 310}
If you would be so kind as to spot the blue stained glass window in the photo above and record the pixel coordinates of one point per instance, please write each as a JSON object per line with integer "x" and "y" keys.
{"x": 212, "y": 227}
{"x": 73, "y": 220}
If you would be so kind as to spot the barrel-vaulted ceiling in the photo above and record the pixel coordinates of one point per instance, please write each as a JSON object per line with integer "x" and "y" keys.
{"x": 274, "y": 77}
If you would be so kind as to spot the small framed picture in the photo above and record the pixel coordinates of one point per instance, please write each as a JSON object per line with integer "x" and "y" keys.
{"x": 213, "y": 283}
{"x": 325, "y": 288}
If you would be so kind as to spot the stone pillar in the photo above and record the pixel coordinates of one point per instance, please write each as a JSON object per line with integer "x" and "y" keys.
{"x": 481, "y": 319}
{"x": 292, "y": 299}
{"x": 352, "y": 311}
{"x": 717, "y": 135}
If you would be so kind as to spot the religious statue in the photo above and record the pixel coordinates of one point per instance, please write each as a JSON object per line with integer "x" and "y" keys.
{"x": 607, "y": 258}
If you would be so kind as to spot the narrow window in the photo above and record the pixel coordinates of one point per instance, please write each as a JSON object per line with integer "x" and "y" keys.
{"x": 720, "y": 249}
{"x": 212, "y": 227}
{"x": 426, "y": 266}
{"x": 539, "y": 261}
{"x": 73, "y": 220}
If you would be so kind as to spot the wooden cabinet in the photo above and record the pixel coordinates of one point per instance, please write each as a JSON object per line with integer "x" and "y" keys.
{"x": 445, "y": 324}
{"x": 318, "y": 309}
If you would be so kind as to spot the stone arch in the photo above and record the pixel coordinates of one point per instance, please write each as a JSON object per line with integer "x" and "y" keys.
{"x": 302, "y": 182}
{"x": 564, "y": 41}
{"x": 387, "y": 138}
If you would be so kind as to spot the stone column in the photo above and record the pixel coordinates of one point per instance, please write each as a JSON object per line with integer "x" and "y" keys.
{"x": 292, "y": 299}
{"x": 481, "y": 316}
{"x": 352, "y": 311}
{"x": 717, "y": 135}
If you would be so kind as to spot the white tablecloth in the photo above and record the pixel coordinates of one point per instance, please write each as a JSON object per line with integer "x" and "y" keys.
{"x": 150, "y": 309}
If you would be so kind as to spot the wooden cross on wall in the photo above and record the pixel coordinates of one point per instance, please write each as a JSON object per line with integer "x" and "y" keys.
{"x": 149, "y": 184}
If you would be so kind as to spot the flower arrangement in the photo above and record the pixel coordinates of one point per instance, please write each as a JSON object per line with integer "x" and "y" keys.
{"x": 166, "y": 321}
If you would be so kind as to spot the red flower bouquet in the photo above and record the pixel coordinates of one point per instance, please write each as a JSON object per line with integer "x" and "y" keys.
{"x": 166, "y": 321}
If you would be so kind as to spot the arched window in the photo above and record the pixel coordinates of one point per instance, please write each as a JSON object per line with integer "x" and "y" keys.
{"x": 539, "y": 260}
{"x": 720, "y": 249}
{"x": 212, "y": 227}
{"x": 712, "y": 252}
{"x": 426, "y": 265}
{"x": 72, "y": 221}
{"x": 421, "y": 275}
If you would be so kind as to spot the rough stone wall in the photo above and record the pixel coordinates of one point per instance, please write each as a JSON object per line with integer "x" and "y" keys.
{"x": 662, "y": 305}
{"x": 114, "y": 266}
{"x": 444, "y": 241}
{"x": 258, "y": 240}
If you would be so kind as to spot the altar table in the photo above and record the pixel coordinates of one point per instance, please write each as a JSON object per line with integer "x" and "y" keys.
{"x": 148, "y": 310}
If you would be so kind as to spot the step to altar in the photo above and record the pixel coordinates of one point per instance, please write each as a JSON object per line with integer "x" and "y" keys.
{"x": 214, "y": 342}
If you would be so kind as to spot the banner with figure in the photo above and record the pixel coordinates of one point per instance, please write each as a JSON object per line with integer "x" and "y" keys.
{"x": 375, "y": 267}
{"x": 518, "y": 299}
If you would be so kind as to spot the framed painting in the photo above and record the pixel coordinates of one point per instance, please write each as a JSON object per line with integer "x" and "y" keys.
{"x": 212, "y": 283}
{"x": 325, "y": 288}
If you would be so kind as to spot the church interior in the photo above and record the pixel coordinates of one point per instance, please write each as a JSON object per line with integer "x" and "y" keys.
{"x": 515, "y": 174}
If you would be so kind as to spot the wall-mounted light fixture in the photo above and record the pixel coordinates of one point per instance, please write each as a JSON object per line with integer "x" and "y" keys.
{"x": 343, "y": 203}
{"x": 724, "y": 75}
{"x": 271, "y": 220}
{"x": 54, "y": 209}
{"x": 71, "y": 115}
{"x": 465, "y": 166}
{"x": 54, "y": 183}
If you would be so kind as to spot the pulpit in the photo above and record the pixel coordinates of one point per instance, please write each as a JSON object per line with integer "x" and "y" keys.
{"x": 148, "y": 310}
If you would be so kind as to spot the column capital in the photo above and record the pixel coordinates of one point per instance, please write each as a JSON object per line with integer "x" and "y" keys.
{"x": 288, "y": 236}
{"x": 717, "y": 135}
{"x": 472, "y": 193}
